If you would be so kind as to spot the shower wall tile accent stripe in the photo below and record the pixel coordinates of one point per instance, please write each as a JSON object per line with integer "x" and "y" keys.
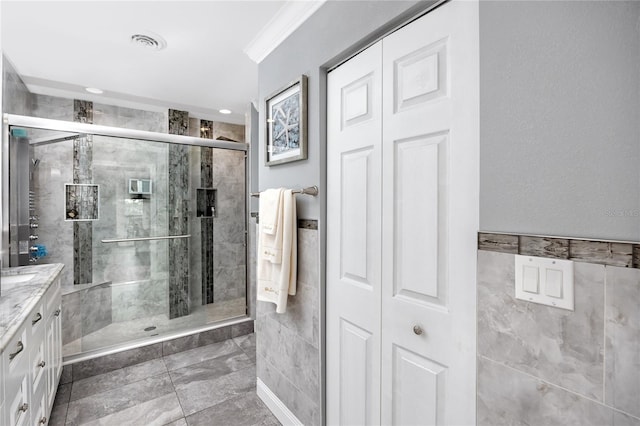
{"x": 178, "y": 207}
{"x": 590, "y": 251}
{"x": 82, "y": 174}
{"x": 206, "y": 228}
{"x": 82, "y": 111}
{"x": 206, "y": 129}
{"x": 178, "y": 122}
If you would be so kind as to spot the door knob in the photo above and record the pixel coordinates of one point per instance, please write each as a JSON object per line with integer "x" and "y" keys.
{"x": 417, "y": 329}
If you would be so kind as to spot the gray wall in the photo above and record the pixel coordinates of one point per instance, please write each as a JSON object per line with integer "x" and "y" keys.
{"x": 335, "y": 29}
{"x": 560, "y": 118}
{"x": 292, "y": 366}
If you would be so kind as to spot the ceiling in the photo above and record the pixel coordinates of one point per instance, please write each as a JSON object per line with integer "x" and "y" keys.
{"x": 60, "y": 48}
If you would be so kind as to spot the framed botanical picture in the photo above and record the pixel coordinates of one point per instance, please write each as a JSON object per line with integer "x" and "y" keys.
{"x": 286, "y": 113}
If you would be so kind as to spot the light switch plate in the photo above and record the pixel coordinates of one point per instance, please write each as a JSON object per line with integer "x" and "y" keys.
{"x": 545, "y": 281}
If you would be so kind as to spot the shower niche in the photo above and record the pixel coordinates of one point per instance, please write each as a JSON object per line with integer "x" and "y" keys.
{"x": 81, "y": 201}
{"x": 206, "y": 202}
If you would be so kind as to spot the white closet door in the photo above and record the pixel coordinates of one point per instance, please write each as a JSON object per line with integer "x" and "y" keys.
{"x": 430, "y": 218}
{"x": 353, "y": 240}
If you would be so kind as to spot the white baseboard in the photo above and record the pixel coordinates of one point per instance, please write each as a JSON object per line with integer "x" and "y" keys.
{"x": 277, "y": 407}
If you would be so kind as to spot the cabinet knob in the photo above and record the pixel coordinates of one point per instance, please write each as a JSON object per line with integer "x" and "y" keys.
{"x": 24, "y": 407}
{"x": 417, "y": 330}
{"x": 42, "y": 364}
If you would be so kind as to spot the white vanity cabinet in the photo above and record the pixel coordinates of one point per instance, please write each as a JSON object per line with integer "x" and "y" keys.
{"x": 53, "y": 340}
{"x": 32, "y": 363}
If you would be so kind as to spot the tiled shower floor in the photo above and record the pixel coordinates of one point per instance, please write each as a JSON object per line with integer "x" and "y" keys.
{"x": 126, "y": 331}
{"x": 209, "y": 385}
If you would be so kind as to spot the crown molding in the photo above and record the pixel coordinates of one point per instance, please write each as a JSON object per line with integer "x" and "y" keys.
{"x": 290, "y": 16}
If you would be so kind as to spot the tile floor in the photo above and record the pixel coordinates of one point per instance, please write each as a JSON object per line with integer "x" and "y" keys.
{"x": 209, "y": 385}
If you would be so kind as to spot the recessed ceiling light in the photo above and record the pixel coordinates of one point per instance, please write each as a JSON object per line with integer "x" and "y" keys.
{"x": 149, "y": 40}
{"x": 225, "y": 111}
{"x": 94, "y": 90}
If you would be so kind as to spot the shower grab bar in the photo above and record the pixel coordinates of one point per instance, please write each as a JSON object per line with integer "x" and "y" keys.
{"x": 126, "y": 240}
{"x": 311, "y": 190}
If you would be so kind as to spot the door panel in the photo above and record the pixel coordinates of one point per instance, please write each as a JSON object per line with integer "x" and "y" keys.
{"x": 356, "y": 354}
{"x": 353, "y": 235}
{"x": 430, "y": 217}
{"x": 356, "y": 172}
{"x": 402, "y": 221}
{"x": 420, "y": 76}
{"x": 417, "y": 384}
{"x": 420, "y": 225}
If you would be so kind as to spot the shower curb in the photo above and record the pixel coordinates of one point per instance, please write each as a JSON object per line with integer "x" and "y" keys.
{"x": 89, "y": 365}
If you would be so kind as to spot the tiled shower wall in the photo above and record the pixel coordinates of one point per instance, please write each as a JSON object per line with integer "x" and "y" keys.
{"x": 542, "y": 365}
{"x": 140, "y": 297}
{"x": 288, "y": 348}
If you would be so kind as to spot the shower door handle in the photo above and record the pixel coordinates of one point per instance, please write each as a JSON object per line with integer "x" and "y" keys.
{"x": 126, "y": 240}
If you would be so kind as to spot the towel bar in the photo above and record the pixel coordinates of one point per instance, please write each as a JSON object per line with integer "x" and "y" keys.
{"x": 311, "y": 190}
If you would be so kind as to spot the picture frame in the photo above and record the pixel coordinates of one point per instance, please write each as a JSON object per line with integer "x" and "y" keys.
{"x": 286, "y": 124}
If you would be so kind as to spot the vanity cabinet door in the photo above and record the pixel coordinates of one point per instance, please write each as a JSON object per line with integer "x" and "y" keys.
{"x": 17, "y": 379}
{"x": 53, "y": 347}
{"x": 40, "y": 404}
{"x": 53, "y": 341}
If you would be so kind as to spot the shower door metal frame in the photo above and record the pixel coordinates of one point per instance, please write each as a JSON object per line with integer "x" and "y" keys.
{"x": 10, "y": 120}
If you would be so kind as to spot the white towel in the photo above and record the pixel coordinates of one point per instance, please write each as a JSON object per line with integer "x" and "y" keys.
{"x": 272, "y": 207}
{"x": 269, "y": 210}
{"x": 277, "y": 279}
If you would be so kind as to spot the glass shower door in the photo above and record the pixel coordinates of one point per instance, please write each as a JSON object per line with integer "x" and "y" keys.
{"x": 152, "y": 235}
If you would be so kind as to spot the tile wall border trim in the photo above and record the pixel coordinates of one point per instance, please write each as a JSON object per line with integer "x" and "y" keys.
{"x": 302, "y": 223}
{"x": 605, "y": 252}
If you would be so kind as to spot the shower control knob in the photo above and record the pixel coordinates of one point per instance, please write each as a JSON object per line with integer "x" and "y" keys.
{"x": 33, "y": 218}
{"x": 33, "y": 259}
{"x": 33, "y": 249}
{"x": 33, "y": 237}
{"x": 34, "y": 225}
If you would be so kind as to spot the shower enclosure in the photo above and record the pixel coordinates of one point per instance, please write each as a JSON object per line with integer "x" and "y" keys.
{"x": 151, "y": 228}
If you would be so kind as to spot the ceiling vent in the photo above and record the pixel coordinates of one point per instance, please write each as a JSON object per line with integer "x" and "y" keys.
{"x": 154, "y": 41}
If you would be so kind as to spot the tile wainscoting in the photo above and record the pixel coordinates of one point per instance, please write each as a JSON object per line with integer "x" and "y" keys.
{"x": 543, "y": 365}
{"x": 288, "y": 345}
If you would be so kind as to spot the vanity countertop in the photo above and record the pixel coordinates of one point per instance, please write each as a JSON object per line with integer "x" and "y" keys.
{"x": 18, "y": 299}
